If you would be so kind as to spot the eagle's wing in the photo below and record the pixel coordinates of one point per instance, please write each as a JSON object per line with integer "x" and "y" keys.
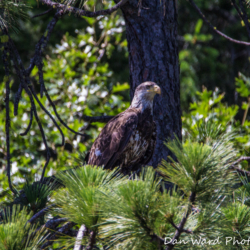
{"x": 113, "y": 139}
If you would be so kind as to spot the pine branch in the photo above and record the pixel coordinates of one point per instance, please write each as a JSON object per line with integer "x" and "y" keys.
{"x": 239, "y": 170}
{"x": 40, "y": 214}
{"x": 81, "y": 233}
{"x": 92, "y": 240}
{"x": 61, "y": 231}
{"x": 53, "y": 223}
{"x": 214, "y": 28}
{"x": 80, "y": 12}
{"x": 43, "y": 13}
{"x": 180, "y": 228}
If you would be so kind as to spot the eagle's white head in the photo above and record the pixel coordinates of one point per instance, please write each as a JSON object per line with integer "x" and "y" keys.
{"x": 144, "y": 95}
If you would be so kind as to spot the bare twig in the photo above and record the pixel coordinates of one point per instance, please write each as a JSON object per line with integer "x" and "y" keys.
{"x": 7, "y": 121}
{"x": 214, "y": 28}
{"x": 53, "y": 223}
{"x": 79, "y": 237}
{"x": 80, "y": 12}
{"x": 43, "y": 13}
{"x": 57, "y": 115}
{"x": 25, "y": 81}
{"x": 61, "y": 231}
{"x": 30, "y": 123}
{"x": 242, "y": 158}
{"x": 182, "y": 230}
{"x": 48, "y": 113}
{"x": 244, "y": 16}
{"x": 242, "y": 171}
{"x": 39, "y": 64}
{"x": 42, "y": 43}
{"x": 17, "y": 99}
{"x": 239, "y": 170}
{"x": 40, "y": 214}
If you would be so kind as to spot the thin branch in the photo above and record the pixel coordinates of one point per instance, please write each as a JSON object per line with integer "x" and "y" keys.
{"x": 58, "y": 116}
{"x": 30, "y": 123}
{"x": 80, "y": 12}
{"x": 42, "y": 133}
{"x": 97, "y": 118}
{"x": 40, "y": 214}
{"x": 39, "y": 64}
{"x": 242, "y": 14}
{"x": 92, "y": 240}
{"x": 53, "y": 223}
{"x": 48, "y": 113}
{"x": 245, "y": 17}
{"x": 242, "y": 171}
{"x": 43, "y": 13}
{"x": 214, "y": 28}
{"x": 239, "y": 170}
{"x": 61, "y": 231}
{"x": 7, "y": 109}
{"x": 237, "y": 8}
{"x": 42, "y": 43}
{"x": 180, "y": 228}
{"x": 79, "y": 237}
{"x": 25, "y": 83}
{"x": 242, "y": 158}
{"x": 17, "y": 99}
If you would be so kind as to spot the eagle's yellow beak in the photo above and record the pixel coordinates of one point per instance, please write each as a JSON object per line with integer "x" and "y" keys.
{"x": 157, "y": 89}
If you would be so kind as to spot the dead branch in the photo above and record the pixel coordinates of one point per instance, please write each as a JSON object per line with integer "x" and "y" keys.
{"x": 61, "y": 231}
{"x": 40, "y": 214}
{"x": 43, "y": 13}
{"x": 214, "y": 28}
{"x": 7, "y": 108}
{"x": 179, "y": 229}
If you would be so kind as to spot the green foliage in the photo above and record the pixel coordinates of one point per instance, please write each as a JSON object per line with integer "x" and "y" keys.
{"x": 11, "y": 11}
{"x": 209, "y": 117}
{"x": 201, "y": 168}
{"x": 16, "y": 233}
{"x": 125, "y": 213}
{"x": 80, "y": 82}
{"x": 35, "y": 196}
{"x": 79, "y": 201}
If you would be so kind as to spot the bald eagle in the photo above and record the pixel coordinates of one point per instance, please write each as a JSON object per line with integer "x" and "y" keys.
{"x": 128, "y": 139}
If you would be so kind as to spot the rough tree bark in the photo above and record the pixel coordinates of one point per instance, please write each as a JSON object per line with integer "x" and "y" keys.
{"x": 151, "y": 28}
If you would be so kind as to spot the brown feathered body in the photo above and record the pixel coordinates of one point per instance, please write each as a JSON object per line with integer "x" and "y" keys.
{"x": 128, "y": 139}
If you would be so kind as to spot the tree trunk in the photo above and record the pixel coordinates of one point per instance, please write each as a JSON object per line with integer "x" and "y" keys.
{"x": 151, "y": 27}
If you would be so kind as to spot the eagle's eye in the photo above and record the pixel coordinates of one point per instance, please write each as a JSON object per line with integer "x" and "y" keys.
{"x": 148, "y": 87}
